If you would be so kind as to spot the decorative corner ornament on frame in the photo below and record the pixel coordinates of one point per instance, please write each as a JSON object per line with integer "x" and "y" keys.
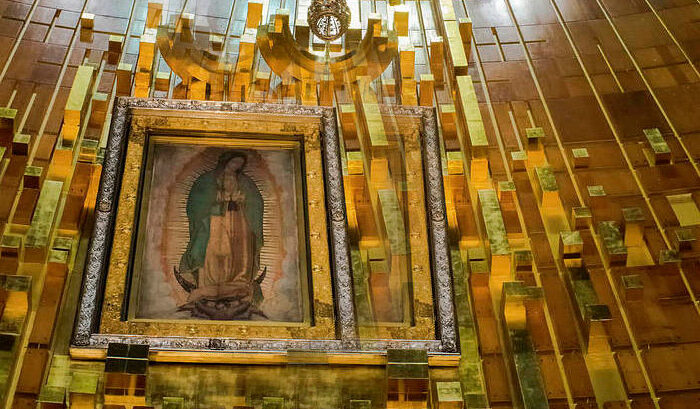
{"x": 232, "y": 155}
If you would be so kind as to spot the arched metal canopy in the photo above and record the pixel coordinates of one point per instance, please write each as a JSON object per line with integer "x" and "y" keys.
{"x": 288, "y": 59}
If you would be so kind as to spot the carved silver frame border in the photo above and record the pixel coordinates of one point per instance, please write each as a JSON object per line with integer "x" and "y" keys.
{"x": 86, "y": 335}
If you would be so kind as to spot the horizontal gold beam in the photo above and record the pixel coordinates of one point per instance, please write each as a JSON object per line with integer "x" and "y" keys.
{"x": 261, "y": 358}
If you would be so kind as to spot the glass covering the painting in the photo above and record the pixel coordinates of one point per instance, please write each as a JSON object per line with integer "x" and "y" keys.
{"x": 222, "y": 232}
{"x": 385, "y": 202}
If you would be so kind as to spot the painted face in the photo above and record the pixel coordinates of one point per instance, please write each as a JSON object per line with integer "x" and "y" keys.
{"x": 235, "y": 164}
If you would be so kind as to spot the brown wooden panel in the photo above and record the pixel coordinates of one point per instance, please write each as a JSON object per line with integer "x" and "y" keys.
{"x": 537, "y": 324}
{"x": 659, "y": 179}
{"x": 559, "y": 307}
{"x": 486, "y": 322}
{"x": 674, "y": 368}
{"x": 25, "y": 206}
{"x": 680, "y": 400}
{"x": 554, "y": 385}
{"x": 496, "y": 379}
{"x": 577, "y": 374}
{"x": 528, "y": 203}
{"x": 642, "y": 402}
{"x": 32, "y": 370}
{"x": 615, "y": 327}
{"x": 542, "y": 252}
{"x": 22, "y": 401}
{"x": 48, "y": 307}
{"x": 631, "y": 373}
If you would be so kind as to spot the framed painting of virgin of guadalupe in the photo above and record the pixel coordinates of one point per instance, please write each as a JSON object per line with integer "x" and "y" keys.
{"x": 222, "y": 232}
{"x": 214, "y": 231}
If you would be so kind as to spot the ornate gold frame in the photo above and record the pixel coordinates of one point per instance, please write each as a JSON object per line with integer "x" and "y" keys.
{"x": 147, "y": 122}
{"x": 334, "y": 328}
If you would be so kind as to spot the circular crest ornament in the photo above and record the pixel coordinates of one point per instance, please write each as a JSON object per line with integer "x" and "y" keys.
{"x": 328, "y": 19}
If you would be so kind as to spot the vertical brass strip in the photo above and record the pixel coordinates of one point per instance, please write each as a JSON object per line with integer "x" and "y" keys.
{"x": 610, "y": 68}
